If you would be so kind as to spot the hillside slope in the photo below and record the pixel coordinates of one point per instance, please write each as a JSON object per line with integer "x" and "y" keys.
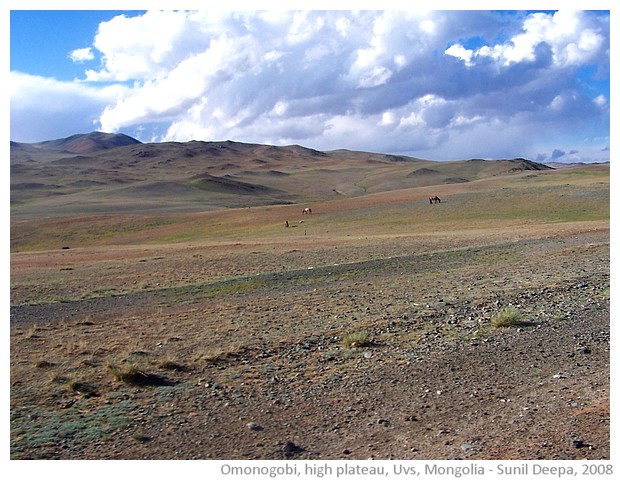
{"x": 104, "y": 173}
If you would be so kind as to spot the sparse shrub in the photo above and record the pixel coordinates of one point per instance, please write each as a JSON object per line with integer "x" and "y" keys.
{"x": 360, "y": 338}
{"x": 130, "y": 374}
{"x": 507, "y": 317}
{"x": 124, "y": 373}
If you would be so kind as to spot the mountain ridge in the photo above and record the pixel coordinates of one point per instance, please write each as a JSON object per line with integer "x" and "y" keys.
{"x": 102, "y": 172}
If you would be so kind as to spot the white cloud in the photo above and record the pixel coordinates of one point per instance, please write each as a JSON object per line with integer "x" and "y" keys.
{"x": 166, "y": 97}
{"x": 601, "y": 101}
{"x": 305, "y": 26}
{"x": 147, "y": 46}
{"x": 388, "y": 118}
{"x": 459, "y": 51}
{"x": 573, "y": 38}
{"x": 82, "y": 55}
{"x": 58, "y": 108}
{"x": 379, "y": 80}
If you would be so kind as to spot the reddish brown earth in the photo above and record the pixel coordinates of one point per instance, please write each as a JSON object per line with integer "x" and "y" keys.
{"x": 254, "y": 366}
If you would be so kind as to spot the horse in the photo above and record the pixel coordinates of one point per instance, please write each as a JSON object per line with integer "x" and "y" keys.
{"x": 306, "y": 211}
{"x": 434, "y": 199}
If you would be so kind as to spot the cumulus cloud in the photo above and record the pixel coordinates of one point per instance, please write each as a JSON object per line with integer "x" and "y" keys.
{"x": 436, "y": 83}
{"x": 573, "y": 37}
{"x": 57, "y": 108}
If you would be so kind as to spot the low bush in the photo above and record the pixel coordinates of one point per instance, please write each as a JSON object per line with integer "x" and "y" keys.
{"x": 507, "y": 317}
{"x": 361, "y": 338}
{"x": 130, "y": 374}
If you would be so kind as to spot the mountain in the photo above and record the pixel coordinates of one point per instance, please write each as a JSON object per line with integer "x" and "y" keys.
{"x": 79, "y": 144}
{"x": 101, "y": 173}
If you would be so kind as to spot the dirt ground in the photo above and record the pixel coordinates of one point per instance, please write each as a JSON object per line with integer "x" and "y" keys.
{"x": 357, "y": 348}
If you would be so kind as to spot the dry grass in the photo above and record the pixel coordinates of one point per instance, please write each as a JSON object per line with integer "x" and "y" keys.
{"x": 357, "y": 339}
{"x": 507, "y": 317}
{"x": 131, "y": 374}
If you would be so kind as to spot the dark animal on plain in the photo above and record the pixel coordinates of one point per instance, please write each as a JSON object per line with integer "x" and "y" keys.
{"x": 306, "y": 211}
{"x": 434, "y": 199}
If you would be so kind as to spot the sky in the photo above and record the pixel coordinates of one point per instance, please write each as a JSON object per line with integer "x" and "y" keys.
{"x": 434, "y": 84}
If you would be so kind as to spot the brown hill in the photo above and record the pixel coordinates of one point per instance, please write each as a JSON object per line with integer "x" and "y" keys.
{"x": 99, "y": 173}
{"x": 79, "y": 143}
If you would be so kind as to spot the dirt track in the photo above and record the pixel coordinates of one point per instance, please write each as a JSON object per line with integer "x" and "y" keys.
{"x": 254, "y": 366}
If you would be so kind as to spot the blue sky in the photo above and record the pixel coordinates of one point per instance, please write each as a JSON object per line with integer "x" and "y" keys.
{"x": 436, "y": 84}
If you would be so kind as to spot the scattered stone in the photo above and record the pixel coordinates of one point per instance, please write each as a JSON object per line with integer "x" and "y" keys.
{"x": 254, "y": 426}
{"x": 291, "y": 449}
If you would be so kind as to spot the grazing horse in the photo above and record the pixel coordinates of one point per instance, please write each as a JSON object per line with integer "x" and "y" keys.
{"x": 434, "y": 199}
{"x": 306, "y": 211}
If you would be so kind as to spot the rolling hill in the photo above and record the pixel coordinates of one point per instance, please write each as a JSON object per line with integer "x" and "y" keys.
{"x": 114, "y": 173}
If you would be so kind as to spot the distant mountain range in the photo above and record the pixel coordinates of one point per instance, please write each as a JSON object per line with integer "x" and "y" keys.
{"x": 99, "y": 172}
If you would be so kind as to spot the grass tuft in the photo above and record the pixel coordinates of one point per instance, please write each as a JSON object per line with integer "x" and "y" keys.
{"x": 507, "y": 317}
{"x": 360, "y": 338}
{"x": 130, "y": 374}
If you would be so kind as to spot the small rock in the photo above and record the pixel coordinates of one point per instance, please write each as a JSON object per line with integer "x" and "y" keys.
{"x": 291, "y": 449}
{"x": 467, "y": 446}
{"x": 578, "y": 444}
{"x": 254, "y": 426}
